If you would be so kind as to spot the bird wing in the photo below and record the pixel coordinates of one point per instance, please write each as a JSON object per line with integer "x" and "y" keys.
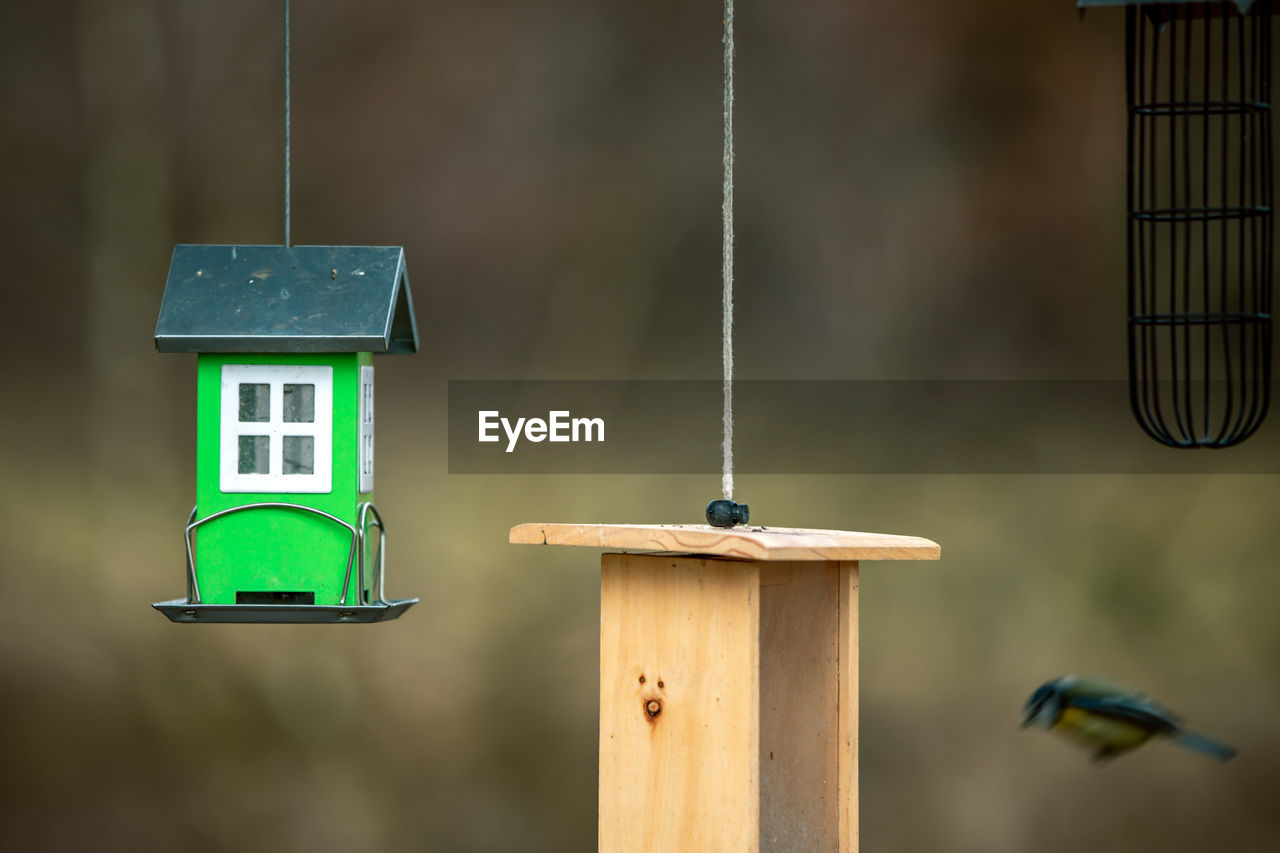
{"x": 1132, "y": 708}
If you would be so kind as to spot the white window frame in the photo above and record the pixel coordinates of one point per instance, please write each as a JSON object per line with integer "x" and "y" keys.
{"x": 320, "y": 481}
{"x": 364, "y": 454}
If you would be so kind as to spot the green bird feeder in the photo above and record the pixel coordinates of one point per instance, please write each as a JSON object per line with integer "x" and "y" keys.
{"x": 284, "y": 528}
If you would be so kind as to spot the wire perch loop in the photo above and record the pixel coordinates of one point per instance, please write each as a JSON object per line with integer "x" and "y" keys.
{"x": 1200, "y": 241}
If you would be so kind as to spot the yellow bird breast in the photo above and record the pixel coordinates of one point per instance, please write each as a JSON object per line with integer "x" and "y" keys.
{"x": 1095, "y": 730}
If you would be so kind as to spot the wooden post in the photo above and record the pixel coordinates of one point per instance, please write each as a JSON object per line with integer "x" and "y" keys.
{"x": 728, "y": 683}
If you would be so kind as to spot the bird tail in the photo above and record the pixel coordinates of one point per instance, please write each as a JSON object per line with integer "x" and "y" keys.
{"x": 1200, "y": 743}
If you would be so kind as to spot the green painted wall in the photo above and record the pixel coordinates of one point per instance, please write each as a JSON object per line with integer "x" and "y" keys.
{"x": 276, "y": 549}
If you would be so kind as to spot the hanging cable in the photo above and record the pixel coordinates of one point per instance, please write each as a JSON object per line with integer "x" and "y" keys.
{"x": 726, "y": 213}
{"x": 287, "y": 192}
{"x": 725, "y": 512}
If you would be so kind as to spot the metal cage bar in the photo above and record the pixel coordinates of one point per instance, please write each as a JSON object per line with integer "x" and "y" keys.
{"x": 1200, "y": 236}
{"x": 379, "y": 572}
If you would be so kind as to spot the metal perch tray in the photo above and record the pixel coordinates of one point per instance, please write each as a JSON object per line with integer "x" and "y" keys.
{"x": 181, "y": 610}
{"x": 365, "y": 609}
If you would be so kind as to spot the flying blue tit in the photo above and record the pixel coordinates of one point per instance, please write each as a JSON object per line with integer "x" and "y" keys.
{"x": 1109, "y": 720}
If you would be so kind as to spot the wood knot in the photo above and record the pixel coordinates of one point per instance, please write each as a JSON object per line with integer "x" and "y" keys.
{"x": 652, "y": 708}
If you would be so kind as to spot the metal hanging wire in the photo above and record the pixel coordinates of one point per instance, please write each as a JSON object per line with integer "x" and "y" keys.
{"x": 1200, "y": 238}
{"x": 288, "y": 166}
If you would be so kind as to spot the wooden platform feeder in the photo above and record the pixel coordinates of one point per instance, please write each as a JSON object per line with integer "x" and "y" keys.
{"x": 728, "y": 682}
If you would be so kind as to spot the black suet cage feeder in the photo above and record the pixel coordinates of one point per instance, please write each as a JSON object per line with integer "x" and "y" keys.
{"x": 1200, "y": 239}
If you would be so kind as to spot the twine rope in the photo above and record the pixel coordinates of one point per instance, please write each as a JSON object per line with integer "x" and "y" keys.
{"x": 726, "y": 213}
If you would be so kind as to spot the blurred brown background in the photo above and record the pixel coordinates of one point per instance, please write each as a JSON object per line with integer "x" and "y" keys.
{"x": 925, "y": 190}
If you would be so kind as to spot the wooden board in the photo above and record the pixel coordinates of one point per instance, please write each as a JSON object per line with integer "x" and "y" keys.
{"x": 847, "y": 748}
{"x": 681, "y": 773}
{"x": 800, "y": 675}
{"x": 740, "y": 543}
{"x": 724, "y": 722}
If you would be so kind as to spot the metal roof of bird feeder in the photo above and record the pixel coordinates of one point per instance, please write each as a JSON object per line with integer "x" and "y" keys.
{"x": 1242, "y": 5}
{"x": 277, "y": 299}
